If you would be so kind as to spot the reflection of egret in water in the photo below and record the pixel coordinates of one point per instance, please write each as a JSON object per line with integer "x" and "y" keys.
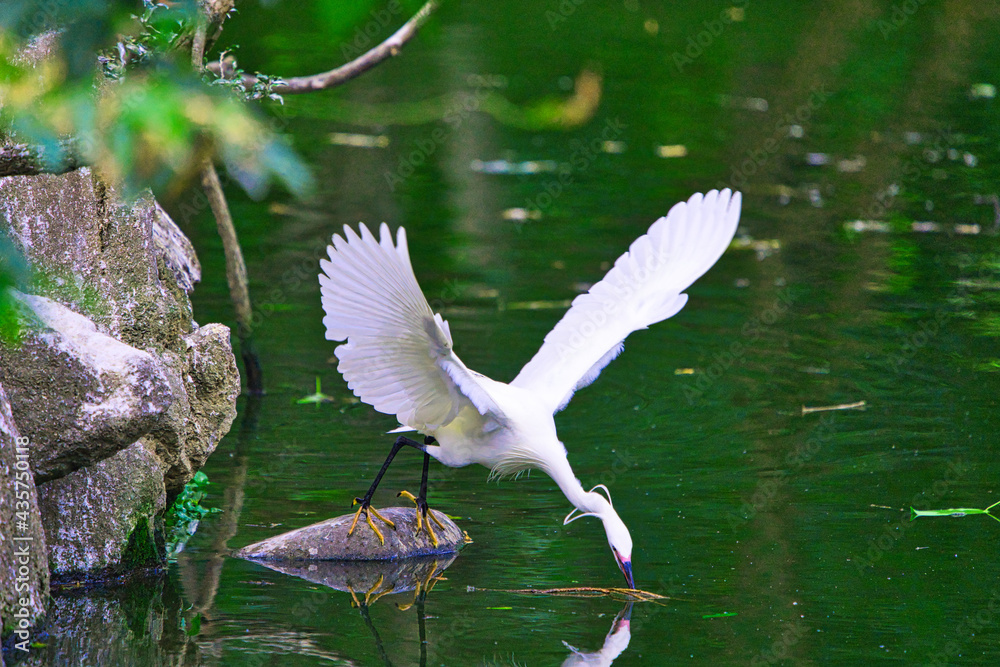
{"x": 421, "y": 589}
{"x": 366, "y": 582}
{"x": 614, "y": 644}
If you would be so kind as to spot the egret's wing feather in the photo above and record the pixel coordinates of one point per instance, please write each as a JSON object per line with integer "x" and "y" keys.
{"x": 398, "y": 356}
{"x": 645, "y": 286}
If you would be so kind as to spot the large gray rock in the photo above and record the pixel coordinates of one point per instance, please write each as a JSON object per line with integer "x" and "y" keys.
{"x": 104, "y": 516}
{"x": 119, "y": 379}
{"x": 127, "y": 268}
{"x": 24, "y": 572}
{"x": 99, "y": 394}
{"x": 176, "y": 250}
{"x": 328, "y": 540}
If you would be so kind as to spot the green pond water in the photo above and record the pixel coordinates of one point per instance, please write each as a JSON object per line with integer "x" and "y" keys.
{"x": 868, "y": 156}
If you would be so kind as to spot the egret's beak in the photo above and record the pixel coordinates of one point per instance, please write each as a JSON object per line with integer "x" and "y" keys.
{"x": 623, "y": 619}
{"x": 625, "y": 565}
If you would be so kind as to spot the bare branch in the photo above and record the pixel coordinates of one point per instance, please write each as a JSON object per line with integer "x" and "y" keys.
{"x": 335, "y": 77}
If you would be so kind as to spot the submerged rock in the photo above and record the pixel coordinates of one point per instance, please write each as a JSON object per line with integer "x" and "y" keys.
{"x": 328, "y": 540}
{"x": 140, "y": 620}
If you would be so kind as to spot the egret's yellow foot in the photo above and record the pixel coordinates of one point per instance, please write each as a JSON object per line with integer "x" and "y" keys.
{"x": 432, "y": 578}
{"x": 421, "y": 507}
{"x": 374, "y": 589}
{"x": 369, "y": 510}
{"x": 368, "y": 594}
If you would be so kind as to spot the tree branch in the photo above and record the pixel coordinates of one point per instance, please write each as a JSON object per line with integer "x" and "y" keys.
{"x": 208, "y": 26}
{"x": 198, "y": 43}
{"x": 335, "y": 77}
{"x": 236, "y": 276}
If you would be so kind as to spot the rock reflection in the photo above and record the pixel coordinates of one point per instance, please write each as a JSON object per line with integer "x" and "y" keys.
{"x": 422, "y": 586}
{"x": 367, "y": 581}
{"x": 141, "y": 621}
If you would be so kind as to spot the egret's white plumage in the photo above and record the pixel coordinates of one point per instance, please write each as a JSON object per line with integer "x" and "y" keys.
{"x": 399, "y": 357}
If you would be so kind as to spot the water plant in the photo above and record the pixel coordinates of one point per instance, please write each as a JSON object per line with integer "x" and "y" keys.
{"x": 183, "y": 517}
{"x": 956, "y": 512}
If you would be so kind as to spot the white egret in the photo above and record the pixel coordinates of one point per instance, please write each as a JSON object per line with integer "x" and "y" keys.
{"x": 399, "y": 358}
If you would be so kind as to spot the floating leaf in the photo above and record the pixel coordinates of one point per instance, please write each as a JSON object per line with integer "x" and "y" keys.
{"x": 955, "y": 512}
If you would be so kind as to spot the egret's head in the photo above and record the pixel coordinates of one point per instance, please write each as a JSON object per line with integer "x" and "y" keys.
{"x": 618, "y": 536}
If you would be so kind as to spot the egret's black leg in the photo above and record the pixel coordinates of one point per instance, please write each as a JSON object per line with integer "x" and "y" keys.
{"x": 366, "y": 502}
{"x": 396, "y": 446}
{"x": 420, "y": 501}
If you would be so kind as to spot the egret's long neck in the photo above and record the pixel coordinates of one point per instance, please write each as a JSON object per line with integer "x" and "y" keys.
{"x": 560, "y": 471}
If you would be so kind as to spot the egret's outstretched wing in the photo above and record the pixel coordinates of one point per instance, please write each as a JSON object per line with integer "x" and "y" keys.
{"x": 644, "y": 287}
{"x": 398, "y": 357}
